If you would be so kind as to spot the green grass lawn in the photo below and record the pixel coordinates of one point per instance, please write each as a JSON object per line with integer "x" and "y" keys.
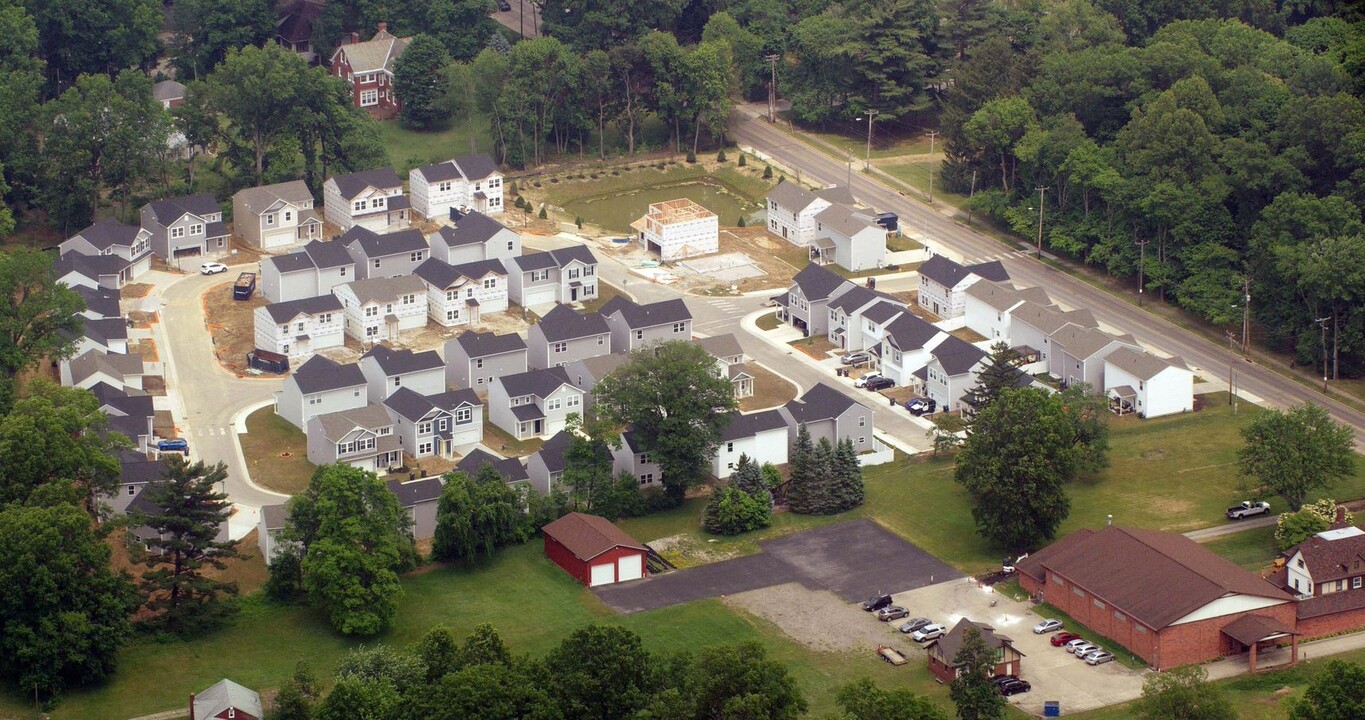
{"x": 268, "y": 438}
{"x": 768, "y": 321}
{"x": 409, "y": 148}
{"x": 898, "y": 243}
{"x": 1253, "y": 549}
{"x": 746, "y": 182}
{"x": 916, "y": 175}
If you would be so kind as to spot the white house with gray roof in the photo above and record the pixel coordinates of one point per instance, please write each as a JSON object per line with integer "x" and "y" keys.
{"x": 564, "y": 275}
{"x": 386, "y": 370}
{"x": 951, "y": 372}
{"x": 381, "y": 256}
{"x": 474, "y": 359}
{"x": 462, "y": 294}
{"x": 438, "y": 423}
{"x": 75, "y": 270}
{"x": 320, "y": 386}
{"x": 110, "y": 237}
{"x": 186, "y": 227}
{"x": 270, "y": 217}
{"x": 511, "y": 469}
{"x": 761, "y": 435}
{"x": 1078, "y": 353}
{"x": 792, "y": 210}
{"x": 535, "y": 403}
{"x": 474, "y": 237}
{"x": 806, "y": 303}
{"x": 828, "y": 413}
{"x": 311, "y": 271}
{"x": 273, "y": 520}
{"x": 100, "y": 303}
{"x": 118, "y": 370}
{"x": 943, "y": 284}
{"x": 849, "y": 238}
{"x": 372, "y": 199}
{"x": 630, "y": 456}
{"x": 107, "y": 334}
{"x": 634, "y": 326}
{"x": 465, "y": 184}
{"x": 563, "y": 336}
{"x": 907, "y": 342}
{"x": 1152, "y": 386}
{"x": 1032, "y": 325}
{"x": 360, "y": 437}
{"x": 989, "y": 306}
{"x": 730, "y": 362}
{"x": 299, "y": 328}
{"x": 380, "y": 309}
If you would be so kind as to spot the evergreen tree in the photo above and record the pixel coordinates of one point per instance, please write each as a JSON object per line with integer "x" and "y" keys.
{"x": 999, "y": 373}
{"x": 189, "y": 513}
{"x": 801, "y": 483}
{"x": 846, "y": 477}
{"x": 732, "y": 511}
{"x": 822, "y": 470}
{"x": 749, "y": 478}
{"x": 973, "y": 692}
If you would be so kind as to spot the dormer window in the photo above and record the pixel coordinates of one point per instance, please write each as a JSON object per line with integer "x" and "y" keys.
{"x": 1300, "y": 563}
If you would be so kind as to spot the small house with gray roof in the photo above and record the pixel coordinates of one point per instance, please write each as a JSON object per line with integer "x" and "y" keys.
{"x": 829, "y": 413}
{"x": 386, "y": 370}
{"x": 100, "y": 303}
{"x": 588, "y": 372}
{"x": 380, "y": 309}
{"x": 511, "y": 469}
{"x": 93, "y": 272}
{"x": 1153, "y": 386}
{"x": 299, "y": 328}
{"x": 320, "y": 386}
{"x": 1078, "y": 353}
{"x": 270, "y": 217}
{"x": 988, "y": 306}
{"x": 536, "y": 403}
{"x": 111, "y": 237}
{"x": 565, "y": 275}
{"x": 388, "y": 255}
{"x": 372, "y": 199}
{"x": 729, "y": 356}
{"x": 226, "y": 699}
{"x": 438, "y": 423}
{"x": 545, "y": 467}
{"x": 367, "y": 67}
{"x": 564, "y": 336}
{"x": 791, "y": 212}
{"x": 849, "y": 238}
{"x": 271, "y": 524}
{"x": 135, "y": 472}
{"x": 806, "y": 303}
{"x": 951, "y": 372}
{"x": 169, "y": 93}
{"x": 186, "y": 227}
{"x": 419, "y": 499}
{"x": 462, "y": 294}
{"x": 474, "y": 359}
{"x": 630, "y": 456}
{"x": 107, "y": 334}
{"x": 761, "y": 435}
{"x": 1032, "y": 325}
{"x": 311, "y": 271}
{"x": 635, "y": 326}
{"x": 907, "y": 342}
{"x": 469, "y": 184}
{"x": 473, "y": 237}
{"x": 117, "y": 370}
{"x": 943, "y": 284}
{"x": 361, "y": 437}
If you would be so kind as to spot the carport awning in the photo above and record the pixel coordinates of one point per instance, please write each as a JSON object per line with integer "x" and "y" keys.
{"x": 824, "y": 243}
{"x": 1125, "y": 392}
{"x": 1251, "y": 629}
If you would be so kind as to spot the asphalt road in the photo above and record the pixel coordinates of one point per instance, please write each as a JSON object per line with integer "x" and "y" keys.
{"x": 748, "y": 128}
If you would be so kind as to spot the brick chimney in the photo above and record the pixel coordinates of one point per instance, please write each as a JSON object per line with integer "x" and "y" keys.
{"x": 355, "y": 38}
{"x": 1340, "y": 521}
{"x": 383, "y": 28}
{"x": 191, "y": 706}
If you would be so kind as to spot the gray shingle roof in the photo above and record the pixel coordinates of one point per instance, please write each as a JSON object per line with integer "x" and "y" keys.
{"x": 296, "y": 261}
{"x": 328, "y": 254}
{"x": 101, "y": 301}
{"x": 168, "y": 90}
{"x": 564, "y": 323}
{"x": 373, "y": 245}
{"x": 535, "y": 261}
{"x": 384, "y": 178}
{"x": 602, "y": 365}
{"x": 476, "y": 167}
{"x": 993, "y": 270}
{"x": 852, "y": 299}
{"x": 336, "y": 425}
{"x": 484, "y": 344}
{"x": 226, "y": 694}
{"x": 837, "y": 194}
{"x": 510, "y": 469}
{"x": 943, "y": 271}
{"x": 91, "y": 266}
{"x": 957, "y": 356}
{"x": 1082, "y": 342}
{"x": 169, "y": 210}
{"x": 910, "y": 332}
{"x": 414, "y": 492}
{"x": 275, "y": 516}
{"x": 644, "y": 316}
{"x": 882, "y": 311}
{"x": 996, "y": 296}
{"x": 442, "y": 275}
{"x": 385, "y": 289}
{"x": 818, "y": 283}
{"x": 552, "y": 452}
{"x": 721, "y": 346}
{"x": 112, "y": 364}
{"x": 283, "y": 312}
{"x": 105, "y": 329}
{"x": 257, "y": 199}
{"x": 539, "y": 383}
{"x": 1142, "y": 365}
{"x": 790, "y": 196}
{"x": 821, "y": 402}
{"x": 474, "y": 228}
{"x": 565, "y": 255}
{"x": 319, "y": 374}
{"x": 846, "y": 221}
{"x": 744, "y": 426}
{"x": 109, "y": 233}
{"x": 400, "y": 362}
{"x": 377, "y": 53}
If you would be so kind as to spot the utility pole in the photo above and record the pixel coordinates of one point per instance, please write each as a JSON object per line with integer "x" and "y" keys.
{"x": 971, "y": 195}
{"x": 1322, "y": 323}
{"x": 932, "y": 134}
{"x": 1246, "y": 315}
{"x": 1142, "y": 264}
{"x": 772, "y": 87}
{"x": 850, "y": 172}
{"x": 1042, "y": 193}
{"x": 867, "y": 162}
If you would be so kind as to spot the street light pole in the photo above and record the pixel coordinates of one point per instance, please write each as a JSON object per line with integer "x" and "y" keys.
{"x": 867, "y": 162}
{"x": 932, "y": 134}
{"x": 772, "y": 87}
{"x": 1322, "y": 323}
{"x": 1246, "y": 315}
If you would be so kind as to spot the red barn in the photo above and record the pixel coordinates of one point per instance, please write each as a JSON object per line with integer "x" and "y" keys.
{"x": 593, "y": 550}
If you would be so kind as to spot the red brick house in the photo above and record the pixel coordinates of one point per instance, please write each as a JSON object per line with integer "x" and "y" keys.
{"x": 226, "y": 700}
{"x": 368, "y": 68}
{"x": 1327, "y": 574}
{"x": 1162, "y": 596}
{"x": 593, "y": 550}
{"x": 942, "y": 651}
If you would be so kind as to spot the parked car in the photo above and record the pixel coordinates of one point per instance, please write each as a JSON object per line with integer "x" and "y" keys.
{"x": 856, "y": 358}
{"x": 1098, "y": 658}
{"x": 913, "y": 624}
{"x": 504, "y": 6}
{"x": 1002, "y": 679}
{"x": 1248, "y": 509}
{"x": 892, "y": 612}
{"x": 1014, "y": 687}
{"x": 864, "y": 380}
{"x": 928, "y": 632}
{"x": 1063, "y": 638}
{"x": 1047, "y": 626}
{"x": 921, "y": 405}
{"x": 880, "y": 383}
{"x": 173, "y": 445}
{"x": 876, "y": 602}
{"x": 212, "y": 268}
{"x": 1071, "y": 645}
{"x": 1083, "y": 648}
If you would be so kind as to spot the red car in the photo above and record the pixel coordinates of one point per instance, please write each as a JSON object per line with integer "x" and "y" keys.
{"x": 1063, "y": 638}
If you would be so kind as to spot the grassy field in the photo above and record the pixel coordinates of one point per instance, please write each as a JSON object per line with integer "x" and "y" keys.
{"x": 561, "y": 190}
{"x": 1253, "y": 549}
{"x": 409, "y": 149}
{"x": 768, "y": 321}
{"x": 267, "y": 440}
{"x": 916, "y": 175}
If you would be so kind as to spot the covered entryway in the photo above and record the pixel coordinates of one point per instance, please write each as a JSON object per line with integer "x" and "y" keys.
{"x": 1259, "y": 636}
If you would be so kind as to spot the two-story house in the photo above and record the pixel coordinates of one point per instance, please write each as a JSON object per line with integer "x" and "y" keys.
{"x": 107, "y": 334}
{"x": 849, "y": 238}
{"x": 563, "y": 336}
{"x": 828, "y": 413}
{"x": 473, "y": 237}
{"x": 761, "y": 435}
{"x": 988, "y": 306}
{"x": 1152, "y": 386}
{"x": 361, "y": 437}
{"x": 906, "y": 343}
{"x": 320, "y": 386}
{"x": 545, "y": 467}
{"x": 435, "y": 424}
{"x": 805, "y": 305}
{"x": 386, "y": 370}
{"x": 1328, "y": 562}
{"x": 791, "y": 212}
{"x": 100, "y": 303}
{"x": 634, "y": 326}
{"x": 943, "y": 284}
{"x": 300, "y": 328}
{"x": 730, "y": 362}
{"x": 367, "y": 67}
{"x": 381, "y": 308}
{"x": 510, "y": 470}
{"x": 943, "y": 652}
{"x": 419, "y": 499}
{"x": 110, "y": 237}
{"x": 462, "y": 294}
{"x": 275, "y": 216}
{"x": 314, "y": 270}
{"x": 535, "y": 403}
{"x": 294, "y": 30}
{"x": 135, "y": 472}
{"x": 1078, "y": 354}
{"x": 130, "y": 414}
{"x": 382, "y": 256}
{"x": 678, "y": 229}
{"x": 845, "y": 317}
{"x": 109, "y": 272}
{"x": 373, "y": 199}
{"x": 474, "y": 359}
{"x": 118, "y": 370}
{"x": 951, "y": 372}
{"x": 465, "y": 184}
{"x": 1031, "y": 327}
{"x": 563, "y": 275}
{"x": 185, "y": 227}
{"x": 630, "y": 456}
{"x": 586, "y": 373}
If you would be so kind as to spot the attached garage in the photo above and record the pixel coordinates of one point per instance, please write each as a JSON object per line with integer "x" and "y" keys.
{"x": 541, "y": 295}
{"x": 593, "y": 550}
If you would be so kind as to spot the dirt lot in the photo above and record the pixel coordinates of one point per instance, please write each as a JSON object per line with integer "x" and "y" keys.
{"x": 231, "y": 325}
{"x": 816, "y": 347}
{"x": 146, "y": 347}
{"x": 770, "y": 389}
{"x": 154, "y": 385}
{"x": 133, "y": 291}
{"x": 818, "y": 619}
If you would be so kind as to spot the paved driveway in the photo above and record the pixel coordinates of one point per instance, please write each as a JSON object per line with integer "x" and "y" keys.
{"x": 851, "y": 559}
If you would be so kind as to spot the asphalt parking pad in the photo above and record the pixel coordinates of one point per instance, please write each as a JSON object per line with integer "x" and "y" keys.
{"x": 851, "y": 559}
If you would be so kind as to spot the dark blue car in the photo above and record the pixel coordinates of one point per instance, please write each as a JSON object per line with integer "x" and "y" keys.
{"x": 173, "y": 445}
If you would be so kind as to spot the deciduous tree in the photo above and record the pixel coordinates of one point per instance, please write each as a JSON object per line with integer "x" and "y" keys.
{"x": 742, "y": 681}
{"x": 863, "y": 700}
{"x": 1295, "y": 452}
{"x": 974, "y": 692}
{"x": 55, "y": 436}
{"x": 418, "y": 83}
{"x": 205, "y": 30}
{"x": 1184, "y": 693}
{"x": 1292, "y": 528}
{"x": 79, "y": 37}
{"x": 1336, "y": 693}
{"x": 602, "y": 672}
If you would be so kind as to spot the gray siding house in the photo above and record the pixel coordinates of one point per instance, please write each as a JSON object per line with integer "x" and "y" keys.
{"x": 636, "y": 326}
{"x": 545, "y": 466}
{"x": 828, "y": 413}
{"x": 112, "y": 238}
{"x": 384, "y": 256}
{"x": 951, "y": 372}
{"x": 109, "y": 272}
{"x": 186, "y": 227}
{"x": 276, "y": 216}
{"x": 135, "y": 471}
{"x": 320, "y": 386}
{"x": 564, "y": 336}
{"x": 100, "y": 303}
{"x": 386, "y": 370}
{"x": 585, "y": 374}
{"x": 511, "y": 469}
{"x": 806, "y": 303}
{"x": 312, "y": 271}
{"x": 419, "y": 499}
{"x": 436, "y": 424}
{"x": 474, "y": 237}
{"x": 272, "y": 523}
{"x": 631, "y": 457}
{"x": 535, "y": 403}
{"x": 565, "y": 275}
{"x": 474, "y": 359}
{"x": 361, "y": 437}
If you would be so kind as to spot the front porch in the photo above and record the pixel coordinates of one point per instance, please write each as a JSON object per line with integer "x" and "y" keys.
{"x": 1259, "y": 636}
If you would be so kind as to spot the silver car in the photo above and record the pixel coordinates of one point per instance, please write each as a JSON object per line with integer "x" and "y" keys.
{"x": 1096, "y": 658}
{"x": 1075, "y": 645}
{"x": 1082, "y": 650}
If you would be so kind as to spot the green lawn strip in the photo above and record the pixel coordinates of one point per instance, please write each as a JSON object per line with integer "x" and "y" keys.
{"x": 409, "y": 148}
{"x": 605, "y": 292}
{"x": 268, "y": 436}
{"x": 1121, "y": 654}
{"x": 1253, "y": 548}
{"x": 768, "y": 321}
{"x": 562, "y": 189}
{"x": 899, "y": 243}
{"x": 916, "y": 175}
{"x": 504, "y": 444}
{"x": 881, "y": 148}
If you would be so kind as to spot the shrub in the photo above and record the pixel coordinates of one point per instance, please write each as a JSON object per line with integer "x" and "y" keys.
{"x": 691, "y": 157}
{"x": 1293, "y": 528}
{"x": 543, "y": 215}
{"x": 742, "y": 162}
{"x": 733, "y": 511}
{"x": 578, "y": 221}
{"x": 741, "y": 221}
{"x": 720, "y": 156}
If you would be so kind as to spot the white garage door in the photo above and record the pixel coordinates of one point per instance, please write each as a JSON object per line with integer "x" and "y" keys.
{"x": 539, "y": 295}
{"x": 632, "y": 568}
{"x": 603, "y": 574}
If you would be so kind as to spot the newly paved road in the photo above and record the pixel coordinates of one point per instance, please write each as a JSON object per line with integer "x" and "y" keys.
{"x": 1212, "y": 358}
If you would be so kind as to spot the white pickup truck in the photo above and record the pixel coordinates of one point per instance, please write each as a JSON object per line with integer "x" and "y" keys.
{"x": 1248, "y": 509}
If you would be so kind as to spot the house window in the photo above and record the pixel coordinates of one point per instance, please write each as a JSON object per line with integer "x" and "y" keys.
{"x": 1355, "y": 583}
{"x": 424, "y": 428}
{"x": 601, "y": 340}
{"x": 1141, "y": 630}
{"x": 377, "y": 203}
{"x": 639, "y": 334}
{"x": 300, "y": 326}
{"x": 644, "y": 458}
{"x": 410, "y": 299}
{"x": 862, "y": 440}
{"x": 288, "y": 215}
{"x": 416, "y": 257}
{"x": 647, "y": 478}
{"x": 469, "y": 292}
{"x": 444, "y": 186}
{"x": 1058, "y": 579}
{"x": 453, "y": 315}
{"x": 464, "y": 415}
{"x": 572, "y": 400}
{"x": 510, "y": 244}
{"x": 452, "y": 294}
{"x": 573, "y": 273}
{"x": 372, "y": 331}
{"x": 1120, "y": 616}
{"x": 1300, "y": 562}
{"x": 553, "y": 404}
{"x": 1341, "y": 585}
{"x": 559, "y": 347}
{"x": 177, "y": 232}
{"x": 862, "y": 421}
{"x": 369, "y": 98}
{"x": 729, "y": 447}
{"x": 371, "y": 310}
{"x": 424, "y": 448}
{"x": 478, "y": 363}
{"x": 342, "y": 272}
{"x": 270, "y": 218}
{"x": 490, "y": 283}
{"x": 1079, "y": 592}
{"x": 679, "y": 327}
{"x": 397, "y": 380}
{"x": 358, "y": 205}
{"x": 443, "y": 423}
{"x": 132, "y": 490}
{"x": 587, "y": 271}
{"x": 1099, "y": 604}
{"x": 196, "y": 229}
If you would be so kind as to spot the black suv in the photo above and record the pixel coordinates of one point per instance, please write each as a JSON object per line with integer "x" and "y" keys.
{"x": 876, "y": 602}
{"x": 1011, "y": 685}
{"x": 880, "y": 383}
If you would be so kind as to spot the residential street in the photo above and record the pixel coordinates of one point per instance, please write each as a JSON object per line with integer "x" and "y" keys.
{"x": 750, "y": 127}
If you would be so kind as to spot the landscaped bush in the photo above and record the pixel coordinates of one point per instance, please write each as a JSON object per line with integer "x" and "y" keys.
{"x": 691, "y": 157}
{"x": 733, "y": 511}
{"x": 720, "y": 156}
{"x": 742, "y": 162}
{"x": 768, "y": 172}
